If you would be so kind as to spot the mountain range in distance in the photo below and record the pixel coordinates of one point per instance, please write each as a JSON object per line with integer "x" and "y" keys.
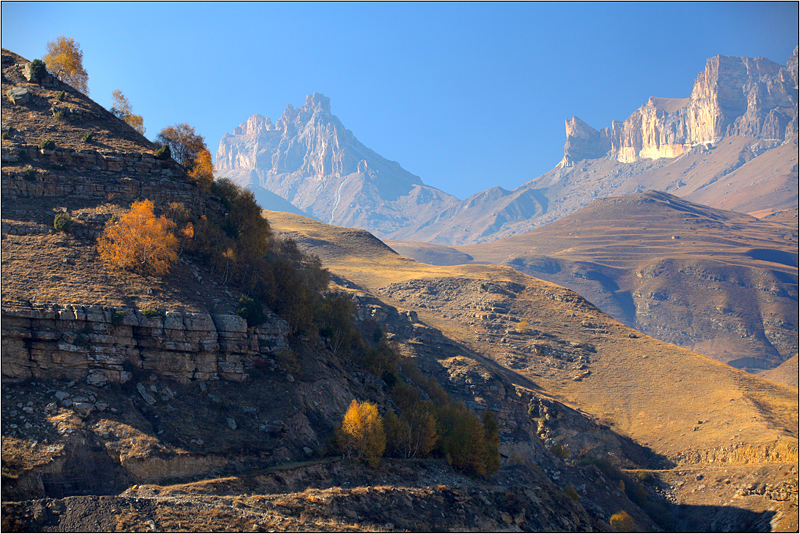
{"x": 684, "y": 265}
{"x": 731, "y": 144}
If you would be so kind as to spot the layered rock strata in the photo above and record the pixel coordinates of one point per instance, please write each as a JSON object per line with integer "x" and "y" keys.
{"x": 98, "y": 176}
{"x": 73, "y": 341}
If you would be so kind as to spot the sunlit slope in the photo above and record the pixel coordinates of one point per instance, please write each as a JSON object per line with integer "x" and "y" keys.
{"x": 717, "y": 282}
{"x": 669, "y": 398}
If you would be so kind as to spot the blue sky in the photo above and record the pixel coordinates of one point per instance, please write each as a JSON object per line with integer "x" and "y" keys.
{"x": 465, "y": 95}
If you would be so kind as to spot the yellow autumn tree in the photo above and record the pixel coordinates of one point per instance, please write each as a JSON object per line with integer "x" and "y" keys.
{"x": 203, "y": 170}
{"x": 140, "y": 242}
{"x": 122, "y": 109}
{"x": 64, "y": 60}
{"x": 361, "y": 432}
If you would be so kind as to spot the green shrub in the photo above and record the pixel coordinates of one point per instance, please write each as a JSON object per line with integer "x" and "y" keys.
{"x": 87, "y": 137}
{"x": 117, "y": 316}
{"x": 58, "y": 166}
{"x": 62, "y": 222}
{"x": 570, "y": 492}
{"x": 5, "y": 135}
{"x": 60, "y": 96}
{"x": 47, "y": 144}
{"x": 60, "y": 115}
{"x": 251, "y": 311}
{"x": 560, "y": 450}
{"x": 151, "y": 312}
{"x": 38, "y": 70}
{"x": 163, "y": 152}
{"x": 29, "y": 173}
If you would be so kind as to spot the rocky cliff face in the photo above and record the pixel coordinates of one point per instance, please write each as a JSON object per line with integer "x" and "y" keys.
{"x": 310, "y": 159}
{"x": 71, "y": 341}
{"x": 733, "y": 96}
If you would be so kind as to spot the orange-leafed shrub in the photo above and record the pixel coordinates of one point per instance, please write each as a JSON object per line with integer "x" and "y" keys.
{"x": 202, "y": 170}
{"x": 140, "y": 241}
{"x": 622, "y": 522}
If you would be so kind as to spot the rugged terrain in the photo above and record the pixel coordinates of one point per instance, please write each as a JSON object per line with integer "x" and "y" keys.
{"x": 601, "y": 375}
{"x": 717, "y": 282}
{"x": 732, "y": 144}
{"x": 142, "y": 403}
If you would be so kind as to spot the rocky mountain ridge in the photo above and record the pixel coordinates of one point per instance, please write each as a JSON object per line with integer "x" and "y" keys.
{"x": 742, "y": 96}
{"x": 731, "y": 144}
{"x": 310, "y": 159}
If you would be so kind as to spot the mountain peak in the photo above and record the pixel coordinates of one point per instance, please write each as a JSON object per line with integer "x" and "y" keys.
{"x": 312, "y": 161}
{"x": 318, "y": 101}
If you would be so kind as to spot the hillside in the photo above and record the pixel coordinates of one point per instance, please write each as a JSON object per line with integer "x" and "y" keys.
{"x": 720, "y": 283}
{"x": 732, "y": 144}
{"x": 571, "y": 353}
{"x": 136, "y": 402}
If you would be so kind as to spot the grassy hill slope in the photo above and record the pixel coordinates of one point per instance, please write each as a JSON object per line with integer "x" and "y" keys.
{"x": 718, "y": 282}
{"x": 631, "y": 374}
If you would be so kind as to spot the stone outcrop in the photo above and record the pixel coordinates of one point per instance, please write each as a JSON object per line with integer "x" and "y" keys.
{"x": 99, "y": 175}
{"x": 73, "y": 341}
{"x": 310, "y": 159}
{"x": 745, "y": 96}
{"x": 584, "y": 142}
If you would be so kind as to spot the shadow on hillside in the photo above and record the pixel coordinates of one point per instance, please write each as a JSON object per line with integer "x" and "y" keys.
{"x": 707, "y": 518}
{"x": 629, "y": 454}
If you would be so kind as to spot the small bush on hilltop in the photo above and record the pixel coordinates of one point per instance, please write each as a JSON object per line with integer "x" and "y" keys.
{"x": 140, "y": 242}
{"x": 47, "y": 144}
{"x": 62, "y": 222}
{"x": 163, "y": 152}
{"x": 38, "y": 70}
{"x": 87, "y": 137}
{"x": 65, "y": 60}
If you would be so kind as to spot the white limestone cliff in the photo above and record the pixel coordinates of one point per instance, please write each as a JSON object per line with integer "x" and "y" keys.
{"x": 744, "y": 96}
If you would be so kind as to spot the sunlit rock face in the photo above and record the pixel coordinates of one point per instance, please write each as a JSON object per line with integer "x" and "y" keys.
{"x": 745, "y": 96}
{"x": 584, "y": 142}
{"x": 310, "y": 159}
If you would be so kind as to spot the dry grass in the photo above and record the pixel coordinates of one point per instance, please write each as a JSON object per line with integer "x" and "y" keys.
{"x": 647, "y": 389}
